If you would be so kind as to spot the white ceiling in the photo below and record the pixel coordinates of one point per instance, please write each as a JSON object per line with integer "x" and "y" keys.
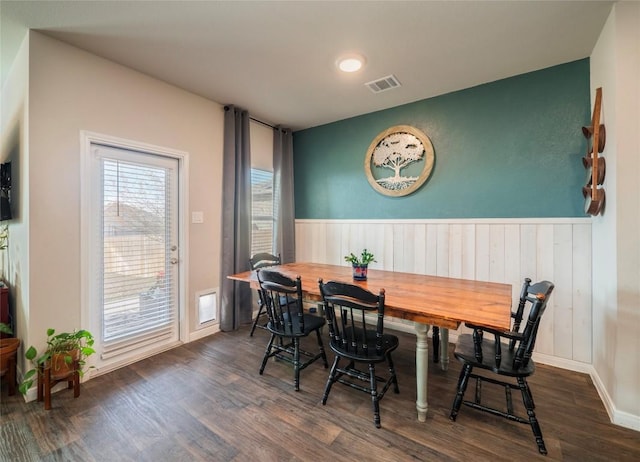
{"x": 277, "y": 58}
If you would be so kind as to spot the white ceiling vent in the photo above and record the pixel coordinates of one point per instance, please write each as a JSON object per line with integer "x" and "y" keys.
{"x": 383, "y": 84}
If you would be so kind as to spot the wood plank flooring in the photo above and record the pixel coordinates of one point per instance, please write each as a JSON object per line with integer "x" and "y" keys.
{"x": 205, "y": 401}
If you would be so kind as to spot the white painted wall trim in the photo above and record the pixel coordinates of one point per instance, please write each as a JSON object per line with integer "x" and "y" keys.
{"x": 204, "y": 332}
{"x": 562, "y": 363}
{"x": 624, "y": 419}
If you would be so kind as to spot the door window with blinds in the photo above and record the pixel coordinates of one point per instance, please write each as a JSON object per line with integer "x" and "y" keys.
{"x": 261, "y": 211}
{"x": 135, "y": 251}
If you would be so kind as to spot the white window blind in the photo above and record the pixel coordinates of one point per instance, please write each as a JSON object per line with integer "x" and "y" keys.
{"x": 137, "y": 278}
{"x": 262, "y": 219}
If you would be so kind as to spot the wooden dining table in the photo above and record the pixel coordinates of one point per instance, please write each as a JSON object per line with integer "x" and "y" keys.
{"x": 425, "y": 300}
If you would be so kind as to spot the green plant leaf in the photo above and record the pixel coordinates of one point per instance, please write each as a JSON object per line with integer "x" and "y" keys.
{"x": 30, "y": 353}
{"x": 365, "y": 258}
{"x": 24, "y": 386}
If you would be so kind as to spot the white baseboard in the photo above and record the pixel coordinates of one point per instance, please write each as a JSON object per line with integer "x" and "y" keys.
{"x": 562, "y": 363}
{"x": 624, "y": 419}
{"x": 617, "y": 417}
{"x": 201, "y": 333}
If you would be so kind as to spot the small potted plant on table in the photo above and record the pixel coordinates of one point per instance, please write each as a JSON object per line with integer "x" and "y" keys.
{"x": 360, "y": 264}
{"x": 63, "y": 360}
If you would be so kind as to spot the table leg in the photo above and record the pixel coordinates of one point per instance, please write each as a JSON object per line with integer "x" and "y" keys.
{"x": 444, "y": 349}
{"x": 422, "y": 364}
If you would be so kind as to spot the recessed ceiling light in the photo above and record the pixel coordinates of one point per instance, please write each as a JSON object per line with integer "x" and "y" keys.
{"x": 350, "y": 63}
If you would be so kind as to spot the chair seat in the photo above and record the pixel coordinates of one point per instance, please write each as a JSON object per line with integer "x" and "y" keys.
{"x": 370, "y": 355}
{"x": 311, "y": 323}
{"x": 465, "y": 352}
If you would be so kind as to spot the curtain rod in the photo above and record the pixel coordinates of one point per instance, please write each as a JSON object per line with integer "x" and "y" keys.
{"x": 261, "y": 122}
{"x": 226, "y": 108}
{"x": 285, "y": 130}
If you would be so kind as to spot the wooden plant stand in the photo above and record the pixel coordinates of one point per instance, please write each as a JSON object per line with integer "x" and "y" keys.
{"x": 47, "y": 380}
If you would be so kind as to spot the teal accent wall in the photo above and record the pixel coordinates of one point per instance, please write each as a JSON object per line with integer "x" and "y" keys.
{"x": 510, "y": 148}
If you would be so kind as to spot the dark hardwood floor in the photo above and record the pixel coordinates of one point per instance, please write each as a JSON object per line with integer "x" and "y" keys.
{"x": 206, "y": 401}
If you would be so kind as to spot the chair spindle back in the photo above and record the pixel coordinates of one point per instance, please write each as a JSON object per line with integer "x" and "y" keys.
{"x": 283, "y": 300}
{"x": 350, "y": 329}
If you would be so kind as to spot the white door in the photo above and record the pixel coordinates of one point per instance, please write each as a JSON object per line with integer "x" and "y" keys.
{"x": 134, "y": 252}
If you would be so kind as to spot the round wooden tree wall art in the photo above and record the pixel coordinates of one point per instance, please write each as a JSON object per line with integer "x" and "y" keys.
{"x": 399, "y": 160}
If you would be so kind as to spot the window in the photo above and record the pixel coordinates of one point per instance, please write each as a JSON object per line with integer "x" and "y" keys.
{"x": 262, "y": 219}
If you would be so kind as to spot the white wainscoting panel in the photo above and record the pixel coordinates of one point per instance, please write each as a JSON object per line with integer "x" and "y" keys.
{"x": 497, "y": 250}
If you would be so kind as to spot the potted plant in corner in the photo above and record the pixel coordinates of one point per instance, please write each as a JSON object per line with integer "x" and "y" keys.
{"x": 65, "y": 354}
{"x": 360, "y": 264}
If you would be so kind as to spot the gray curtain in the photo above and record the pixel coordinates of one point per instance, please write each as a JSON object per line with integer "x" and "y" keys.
{"x": 235, "y": 297}
{"x": 284, "y": 232}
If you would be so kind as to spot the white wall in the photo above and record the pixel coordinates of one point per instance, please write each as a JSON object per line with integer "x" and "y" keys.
{"x": 261, "y": 139}
{"x": 627, "y": 390}
{"x": 14, "y": 141}
{"x": 615, "y": 66}
{"x": 71, "y": 90}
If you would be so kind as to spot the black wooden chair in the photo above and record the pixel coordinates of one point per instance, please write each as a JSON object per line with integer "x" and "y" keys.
{"x": 359, "y": 339}
{"x": 261, "y": 260}
{"x": 510, "y": 358}
{"x": 288, "y": 322}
